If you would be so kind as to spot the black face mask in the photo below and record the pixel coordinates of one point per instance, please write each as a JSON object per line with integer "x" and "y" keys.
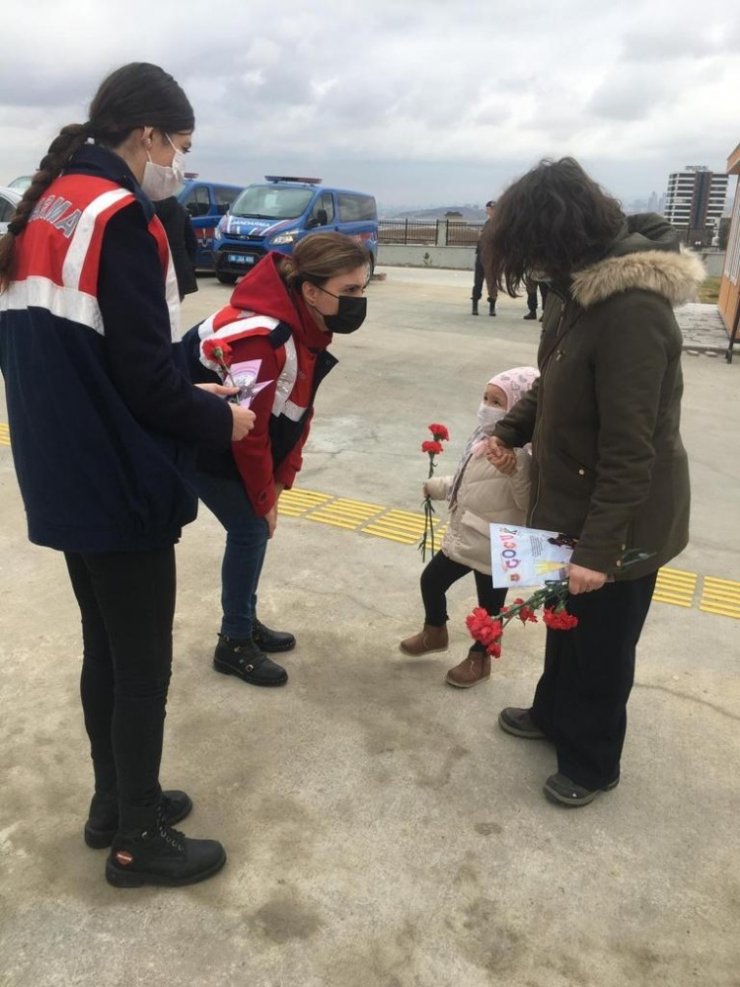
{"x": 351, "y": 314}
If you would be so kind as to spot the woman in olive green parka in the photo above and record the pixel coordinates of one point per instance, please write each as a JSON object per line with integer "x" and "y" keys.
{"x": 609, "y": 467}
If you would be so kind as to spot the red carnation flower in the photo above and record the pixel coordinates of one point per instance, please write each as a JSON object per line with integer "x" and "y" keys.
{"x": 433, "y": 448}
{"x": 218, "y": 351}
{"x": 486, "y": 630}
{"x": 440, "y": 432}
{"x": 559, "y": 620}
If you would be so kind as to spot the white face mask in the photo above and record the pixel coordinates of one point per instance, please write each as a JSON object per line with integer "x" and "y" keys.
{"x": 488, "y": 415}
{"x": 161, "y": 181}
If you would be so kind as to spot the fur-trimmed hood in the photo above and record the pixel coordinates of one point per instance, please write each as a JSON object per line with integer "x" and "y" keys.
{"x": 644, "y": 256}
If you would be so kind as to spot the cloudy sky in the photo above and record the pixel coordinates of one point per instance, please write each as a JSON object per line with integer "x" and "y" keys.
{"x": 428, "y": 102}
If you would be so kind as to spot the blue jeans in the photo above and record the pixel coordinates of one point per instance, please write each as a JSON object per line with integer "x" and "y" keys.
{"x": 246, "y": 543}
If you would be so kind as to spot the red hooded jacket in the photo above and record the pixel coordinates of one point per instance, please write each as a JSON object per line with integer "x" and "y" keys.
{"x": 267, "y": 324}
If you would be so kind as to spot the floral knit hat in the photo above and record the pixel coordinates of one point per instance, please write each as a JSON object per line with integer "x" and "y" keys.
{"x": 515, "y": 383}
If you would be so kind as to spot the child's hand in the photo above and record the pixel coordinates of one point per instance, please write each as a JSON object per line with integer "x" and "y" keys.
{"x": 501, "y": 456}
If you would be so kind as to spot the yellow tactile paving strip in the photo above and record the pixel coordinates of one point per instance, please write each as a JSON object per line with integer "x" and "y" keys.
{"x": 674, "y": 586}
{"x": 721, "y": 596}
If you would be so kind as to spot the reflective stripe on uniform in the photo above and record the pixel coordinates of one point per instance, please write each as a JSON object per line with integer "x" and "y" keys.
{"x": 286, "y": 380}
{"x": 76, "y": 255}
{"x": 62, "y": 301}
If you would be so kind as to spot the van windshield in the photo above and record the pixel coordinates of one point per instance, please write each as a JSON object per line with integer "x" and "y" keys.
{"x": 270, "y": 202}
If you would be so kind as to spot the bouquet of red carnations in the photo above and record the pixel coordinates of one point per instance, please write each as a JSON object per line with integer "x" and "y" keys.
{"x": 432, "y": 447}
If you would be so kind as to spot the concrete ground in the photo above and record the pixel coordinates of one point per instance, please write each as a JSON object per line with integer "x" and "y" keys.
{"x": 381, "y": 830}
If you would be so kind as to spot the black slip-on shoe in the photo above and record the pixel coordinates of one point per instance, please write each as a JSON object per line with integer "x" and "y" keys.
{"x": 519, "y": 723}
{"x": 558, "y": 788}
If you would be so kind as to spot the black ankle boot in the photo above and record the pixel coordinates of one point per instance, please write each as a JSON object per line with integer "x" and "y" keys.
{"x": 271, "y": 641}
{"x": 102, "y": 821}
{"x": 244, "y": 659}
{"x": 491, "y": 306}
{"x": 475, "y": 307}
{"x": 158, "y": 854}
{"x": 531, "y": 315}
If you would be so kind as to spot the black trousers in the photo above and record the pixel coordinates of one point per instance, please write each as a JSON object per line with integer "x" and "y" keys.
{"x": 127, "y": 603}
{"x": 532, "y": 294}
{"x": 581, "y": 699}
{"x": 436, "y": 579}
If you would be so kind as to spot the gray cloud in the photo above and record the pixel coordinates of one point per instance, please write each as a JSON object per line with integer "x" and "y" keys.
{"x": 418, "y": 102}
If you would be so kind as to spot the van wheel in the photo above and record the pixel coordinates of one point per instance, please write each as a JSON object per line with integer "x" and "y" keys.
{"x": 226, "y": 278}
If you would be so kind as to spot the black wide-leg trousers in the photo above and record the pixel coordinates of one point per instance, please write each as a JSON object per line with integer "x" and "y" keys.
{"x": 581, "y": 699}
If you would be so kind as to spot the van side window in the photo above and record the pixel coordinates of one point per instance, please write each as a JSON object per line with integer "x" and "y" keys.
{"x": 224, "y": 198}
{"x": 353, "y": 208}
{"x": 322, "y": 212}
{"x": 197, "y": 201}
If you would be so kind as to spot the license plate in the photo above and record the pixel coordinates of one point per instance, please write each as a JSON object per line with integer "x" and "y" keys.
{"x": 240, "y": 259}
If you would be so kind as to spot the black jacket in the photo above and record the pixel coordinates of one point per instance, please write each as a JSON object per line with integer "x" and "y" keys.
{"x": 101, "y": 418}
{"x": 183, "y": 245}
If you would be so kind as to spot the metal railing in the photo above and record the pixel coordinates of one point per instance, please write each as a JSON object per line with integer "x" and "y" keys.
{"x": 461, "y": 234}
{"x": 440, "y": 232}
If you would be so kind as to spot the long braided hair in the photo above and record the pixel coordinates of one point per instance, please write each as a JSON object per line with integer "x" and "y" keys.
{"x": 136, "y": 95}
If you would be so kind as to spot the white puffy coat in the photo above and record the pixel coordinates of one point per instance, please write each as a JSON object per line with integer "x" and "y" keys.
{"x": 484, "y": 495}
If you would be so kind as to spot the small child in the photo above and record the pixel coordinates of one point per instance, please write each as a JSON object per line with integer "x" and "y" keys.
{"x": 478, "y": 494}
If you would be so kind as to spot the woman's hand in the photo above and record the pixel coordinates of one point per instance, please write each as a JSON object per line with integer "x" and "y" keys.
{"x": 501, "y": 456}
{"x": 243, "y": 418}
{"x": 271, "y": 518}
{"x": 243, "y": 421}
{"x": 582, "y": 580}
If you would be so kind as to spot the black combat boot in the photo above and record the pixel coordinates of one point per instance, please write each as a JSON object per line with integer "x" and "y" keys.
{"x": 102, "y": 821}
{"x": 157, "y": 854}
{"x": 491, "y": 306}
{"x": 475, "y": 307}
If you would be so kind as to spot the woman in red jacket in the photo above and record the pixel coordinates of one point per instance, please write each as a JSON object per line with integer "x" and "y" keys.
{"x": 274, "y": 337}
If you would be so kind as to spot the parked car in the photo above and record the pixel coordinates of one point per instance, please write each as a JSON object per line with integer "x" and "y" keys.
{"x": 9, "y": 199}
{"x": 206, "y": 203}
{"x": 21, "y": 183}
{"x": 277, "y": 214}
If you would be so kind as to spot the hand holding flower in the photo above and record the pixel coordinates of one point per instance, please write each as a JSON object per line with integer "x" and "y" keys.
{"x": 432, "y": 447}
{"x": 583, "y": 580}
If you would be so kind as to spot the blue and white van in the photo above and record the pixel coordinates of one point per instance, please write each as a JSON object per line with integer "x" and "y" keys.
{"x": 206, "y": 203}
{"x": 277, "y": 214}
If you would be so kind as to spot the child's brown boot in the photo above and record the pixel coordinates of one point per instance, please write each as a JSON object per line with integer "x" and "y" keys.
{"x": 471, "y": 670}
{"x": 426, "y": 641}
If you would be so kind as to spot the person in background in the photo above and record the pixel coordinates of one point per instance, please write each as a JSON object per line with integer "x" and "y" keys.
{"x": 277, "y": 328}
{"x": 479, "y": 275}
{"x": 183, "y": 244}
{"x": 531, "y": 286}
{"x": 609, "y": 468}
{"x": 101, "y": 416}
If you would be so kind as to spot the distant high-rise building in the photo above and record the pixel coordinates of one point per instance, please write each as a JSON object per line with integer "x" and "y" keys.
{"x": 695, "y": 201}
